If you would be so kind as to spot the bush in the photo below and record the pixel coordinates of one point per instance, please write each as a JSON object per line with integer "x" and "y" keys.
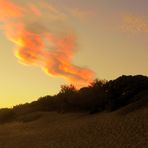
{"x": 122, "y": 89}
{"x": 98, "y": 96}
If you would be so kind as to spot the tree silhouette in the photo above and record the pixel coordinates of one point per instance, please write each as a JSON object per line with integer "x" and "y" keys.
{"x": 100, "y": 95}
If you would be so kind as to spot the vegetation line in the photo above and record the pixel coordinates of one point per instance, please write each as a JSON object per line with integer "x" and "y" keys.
{"x": 98, "y": 96}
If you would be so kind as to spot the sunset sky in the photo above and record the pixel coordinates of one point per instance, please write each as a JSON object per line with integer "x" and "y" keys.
{"x": 92, "y": 38}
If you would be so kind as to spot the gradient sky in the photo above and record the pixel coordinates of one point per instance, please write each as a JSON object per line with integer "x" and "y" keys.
{"x": 112, "y": 40}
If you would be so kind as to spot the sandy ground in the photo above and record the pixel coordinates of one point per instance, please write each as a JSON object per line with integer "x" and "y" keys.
{"x": 79, "y": 130}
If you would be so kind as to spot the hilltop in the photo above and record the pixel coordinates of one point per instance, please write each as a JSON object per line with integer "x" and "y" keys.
{"x": 100, "y": 95}
{"x": 105, "y": 114}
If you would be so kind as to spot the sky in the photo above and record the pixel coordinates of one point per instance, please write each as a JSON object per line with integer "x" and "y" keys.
{"x": 48, "y": 43}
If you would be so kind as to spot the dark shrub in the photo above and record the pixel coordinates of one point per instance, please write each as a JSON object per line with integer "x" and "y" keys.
{"x": 98, "y": 96}
{"x": 122, "y": 89}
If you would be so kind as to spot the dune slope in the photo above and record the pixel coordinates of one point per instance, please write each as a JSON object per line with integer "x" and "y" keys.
{"x": 79, "y": 130}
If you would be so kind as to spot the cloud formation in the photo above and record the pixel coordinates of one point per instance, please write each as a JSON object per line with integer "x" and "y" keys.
{"x": 133, "y": 23}
{"x": 43, "y": 39}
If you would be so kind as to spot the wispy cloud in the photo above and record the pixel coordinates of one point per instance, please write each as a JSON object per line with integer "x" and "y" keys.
{"x": 80, "y": 14}
{"x": 132, "y": 23}
{"x": 43, "y": 38}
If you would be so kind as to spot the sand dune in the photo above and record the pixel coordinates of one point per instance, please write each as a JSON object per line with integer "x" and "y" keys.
{"x": 124, "y": 126}
{"x": 78, "y": 130}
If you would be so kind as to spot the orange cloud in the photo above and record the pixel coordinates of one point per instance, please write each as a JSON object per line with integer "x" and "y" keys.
{"x": 40, "y": 45}
{"x": 9, "y": 10}
{"x": 35, "y": 10}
